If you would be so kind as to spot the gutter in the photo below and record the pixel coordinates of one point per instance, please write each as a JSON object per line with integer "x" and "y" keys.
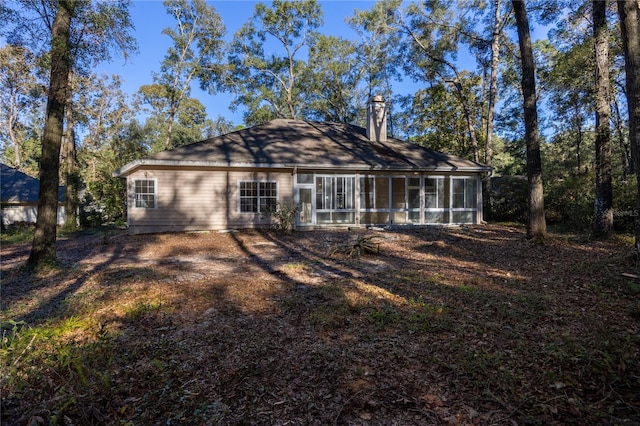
{"x": 130, "y": 167}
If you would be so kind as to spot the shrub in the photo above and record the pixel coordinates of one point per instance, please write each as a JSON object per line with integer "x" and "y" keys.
{"x": 283, "y": 216}
{"x": 508, "y": 199}
{"x": 625, "y": 205}
{"x": 569, "y": 202}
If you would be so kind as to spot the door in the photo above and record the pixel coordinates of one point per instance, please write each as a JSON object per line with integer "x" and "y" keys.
{"x": 305, "y": 201}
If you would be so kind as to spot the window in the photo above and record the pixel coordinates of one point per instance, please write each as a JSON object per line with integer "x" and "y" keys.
{"x": 413, "y": 199}
{"x": 303, "y": 178}
{"x": 464, "y": 199}
{"x": 464, "y": 193}
{"x": 434, "y": 192}
{"x": 367, "y": 193}
{"x": 436, "y": 209}
{"x": 375, "y": 204}
{"x": 374, "y": 193}
{"x": 258, "y": 197}
{"x": 144, "y": 193}
{"x": 335, "y": 199}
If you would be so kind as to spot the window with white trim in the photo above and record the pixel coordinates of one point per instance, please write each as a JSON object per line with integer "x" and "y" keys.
{"x": 464, "y": 199}
{"x": 436, "y": 209}
{"x": 335, "y": 199}
{"x": 144, "y": 191}
{"x": 434, "y": 192}
{"x": 464, "y": 193}
{"x": 258, "y": 197}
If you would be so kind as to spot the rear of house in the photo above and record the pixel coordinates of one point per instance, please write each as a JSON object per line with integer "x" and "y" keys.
{"x": 335, "y": 174}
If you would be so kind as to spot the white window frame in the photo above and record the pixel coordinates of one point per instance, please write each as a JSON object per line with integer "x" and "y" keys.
{"x": 257, "y": 196}
{"x": 444, "y": 200}
{"x": 136, "y": 194}
{"x": 440, "y": 180}
{"x": 465, "y": 197}
{"x": 349, "y": 194}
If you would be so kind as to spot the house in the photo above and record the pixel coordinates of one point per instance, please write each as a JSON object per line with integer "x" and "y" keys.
{"x": 19, "y": 197}
{"x": 337, "y": 175}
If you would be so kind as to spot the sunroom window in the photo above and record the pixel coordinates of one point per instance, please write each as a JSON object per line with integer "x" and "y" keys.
{"x": 335, "y": 199}
{"x": 435, "y": 204}
{"x": 464, "y": 199}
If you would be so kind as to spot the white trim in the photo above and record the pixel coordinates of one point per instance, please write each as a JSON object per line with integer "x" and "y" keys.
{"x": 155, "y": 192}
{"x": 334, "y": 209}
{"x": 463, "y": 209}
{"x": 258, "y": 181}
{"x": 130, "y": 167}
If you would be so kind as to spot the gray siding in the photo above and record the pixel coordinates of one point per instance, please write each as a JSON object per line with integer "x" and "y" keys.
{"x": 200, "y": 199}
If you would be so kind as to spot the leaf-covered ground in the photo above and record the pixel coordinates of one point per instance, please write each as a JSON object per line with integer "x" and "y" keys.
{"x": 462, "y": 325}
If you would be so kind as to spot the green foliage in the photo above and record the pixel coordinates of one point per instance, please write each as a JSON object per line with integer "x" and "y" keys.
{"x": 17, "y": 234}
{"x": 334, "y": 74}
{"x": 73, "y": 354}
{"x": 509, "y": 157}
{"x": 437, "y": 117}
{"x": 625, "y": 205}
{"x": 508, "y": 199}
{"x": 272, "y": 85}
{"x": 195, "y": 54}
{"x": 105, "y": 200}
{"x": 20, "y": 98}
{"x": 569, "y": 202}
{"x": 283, "y": 216}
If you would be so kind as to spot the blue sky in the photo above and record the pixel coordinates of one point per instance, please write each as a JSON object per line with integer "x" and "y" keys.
{"x": 150, "y": 18}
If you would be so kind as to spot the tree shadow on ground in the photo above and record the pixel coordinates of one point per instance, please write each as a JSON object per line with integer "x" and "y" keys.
{"x": 430, "y": 331}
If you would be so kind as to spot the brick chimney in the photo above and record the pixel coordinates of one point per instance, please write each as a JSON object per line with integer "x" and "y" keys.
{"x": 377, "y": 119}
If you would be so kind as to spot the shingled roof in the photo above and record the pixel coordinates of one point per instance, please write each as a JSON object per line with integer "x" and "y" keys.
{"x": 18, "y": 187}
{"x": 283, "y": 143}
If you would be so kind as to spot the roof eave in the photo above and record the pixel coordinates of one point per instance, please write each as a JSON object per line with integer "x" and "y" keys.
{"x": 132, "y": 166}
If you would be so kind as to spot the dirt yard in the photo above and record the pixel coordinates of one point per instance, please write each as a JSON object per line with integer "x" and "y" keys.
{"x": 461, "y": 325}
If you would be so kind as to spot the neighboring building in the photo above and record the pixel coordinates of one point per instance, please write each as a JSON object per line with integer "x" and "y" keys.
{"x": 19, "y": 197}
{"x": 337, "y": 174}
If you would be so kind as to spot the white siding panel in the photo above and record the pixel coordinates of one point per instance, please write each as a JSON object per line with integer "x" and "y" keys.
{"x": 28, "y": 214}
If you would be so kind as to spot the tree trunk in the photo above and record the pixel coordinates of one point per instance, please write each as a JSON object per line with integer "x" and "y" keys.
{"x": 579, "y": 137}
{"x": 493, "y": 83}
{"x": 43, "y": 250}
{"x": 167, "y": 140}
{"x": 13, "y": 118}
{"x": 493, "y": 95}
{"x": 625, "y": 151}
{"x": 536, "y": 223}
{"x": 71, "y": 170}
{"x": 603, "y": 205}
{"x": 630, "y": 28}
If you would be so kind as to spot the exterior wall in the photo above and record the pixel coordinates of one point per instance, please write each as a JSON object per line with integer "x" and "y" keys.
{"x": 200, "y": 199}
{"x": 209, "y": 199}
{"x": 27, "y": 213}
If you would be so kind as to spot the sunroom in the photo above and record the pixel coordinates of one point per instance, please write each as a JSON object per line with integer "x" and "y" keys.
{"x": 365, "y": 199}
